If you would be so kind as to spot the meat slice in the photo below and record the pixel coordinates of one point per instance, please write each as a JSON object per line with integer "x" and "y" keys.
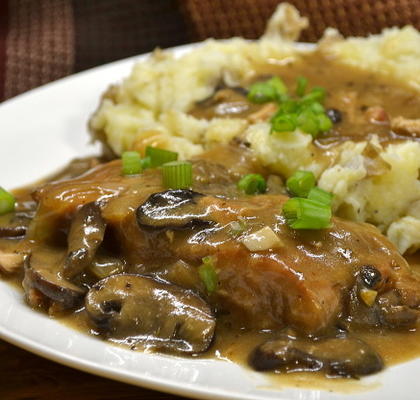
{"x": 305, "y": 282}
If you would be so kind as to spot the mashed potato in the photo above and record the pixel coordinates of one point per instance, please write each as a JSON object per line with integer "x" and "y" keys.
{"x": 150, "y": 108}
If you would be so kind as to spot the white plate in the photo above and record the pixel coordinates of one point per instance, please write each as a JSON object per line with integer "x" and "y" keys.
{"x": 40, "y": 131}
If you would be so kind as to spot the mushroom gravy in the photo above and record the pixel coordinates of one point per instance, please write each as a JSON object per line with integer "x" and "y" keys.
{"x": 359, "y": 103}
{"x": 118, "y": 256}
{"x": 102, "y": 253}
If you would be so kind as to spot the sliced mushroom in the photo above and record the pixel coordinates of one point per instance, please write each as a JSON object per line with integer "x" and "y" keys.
{"x": 14, "y": 225}
{"x": 386, "y": 309}
{"x": 182, "y": 274}
{"x": 104, "y": 265}
{"x": 144, "y": 309}
{"x": 338, "y": 356}
{"x": 86, "y": 234}
{"x": 395, "y": 315}
{"x": 173, "y": 209}
{"x": 43, "y": 274}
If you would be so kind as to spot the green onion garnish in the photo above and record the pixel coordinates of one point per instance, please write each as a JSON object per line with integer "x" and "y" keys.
{"x": 320, "y": 195}
{"x": 301, "y": 86}
{"x": 272, "y": 90}
{"x": 159, "y": 157}
{"x": 324, "y": 123}
{"x": 177, "y": 175}
{"x": 131, "y": 163}
{"x": 208, "y": 274}
{"x": 252, "y": 184}
{"x": 307, "y": 121}
{"x": 304, "y": 111}
{"x": 300, "y": 183}
{"x": 288, "y": 107}
{"x": 306, "y": 214}
{"x": 317, "y": 108}
{"x": 284, "y": 123}
{"x": 146, "y": 163}
{"x": 316, "y": 94}
{"x": 7, "y": 202}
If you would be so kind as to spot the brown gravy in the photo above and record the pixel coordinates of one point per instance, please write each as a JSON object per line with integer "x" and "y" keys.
{"x": 357, "y": 94}
{"x": 234, "y": 344}
{"x": 353, "y": 92}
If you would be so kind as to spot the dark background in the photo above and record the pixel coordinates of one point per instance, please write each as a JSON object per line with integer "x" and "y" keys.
{"x": 43, "y": 40}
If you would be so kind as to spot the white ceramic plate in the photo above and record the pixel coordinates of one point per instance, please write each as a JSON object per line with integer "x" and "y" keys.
{"x": 40, "y": 131}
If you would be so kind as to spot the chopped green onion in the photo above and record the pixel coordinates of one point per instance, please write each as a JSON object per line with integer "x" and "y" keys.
{"x": 324, "y": 123}
{"x": 177, "y": 175}
{"x": 320, "y": 195}
{"x": 307, "y": 121}
{"x": 317, "y": 108}
{"x": 316, "y": 94}
{"x": 146, "y": 163}
{"x": 252, "y": 184}
{"x": 260, "y": 92}
{"x": 300, "y": 183}
{"x": 306, "y": 214}
{"x": 159, "y": 157}
{"x": 131, "y": 163}
{"x": 278, "y": 86}
{"x": 7, "y": 202}
{"x": 301, "y": 86}
{"x": 284, "y": 123}
{"x": 272, "y": 90}
{"x": 288, "y": 107}
{"x": 208, "y": 274}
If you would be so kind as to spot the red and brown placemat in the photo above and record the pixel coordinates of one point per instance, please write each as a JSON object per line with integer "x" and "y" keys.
{"x": 44, "y": 40}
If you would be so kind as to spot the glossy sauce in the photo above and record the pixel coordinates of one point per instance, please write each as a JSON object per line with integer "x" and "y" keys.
{"x": 234, "y": 344}
{"x": 353, "y": 92}
{"x": 350, "y": 91}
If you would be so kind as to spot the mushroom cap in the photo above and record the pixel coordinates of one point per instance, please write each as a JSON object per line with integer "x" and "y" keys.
{"x": 86, "y": 235}
{"x": 172, "y": 209}
{"x": 337, "y": 356}
{"x": 42, "y": 272}
{"x": 143, "y": 309}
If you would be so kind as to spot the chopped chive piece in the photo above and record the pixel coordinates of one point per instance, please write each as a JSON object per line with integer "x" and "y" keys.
{"x": 316, "y": 94}
{"x": 131, "y": 163}
{"x": 307, "y": 121}
{"x": 278, "y": 86}
{"x": 306, "y": 214}
{"x": 159, "y": 157}
{"x": 260, "y": 92}
{"x": 177, "y": 175}
{"x": 252, "y": 184}
{"x": 272, "y": 90}
{"x": 324, "y": 123}
{"x": 301, "y": 86}
{"x": 208, "y": 274}
{"x": 317, "y": 108}
{"x": 300, "y": 183}
{"x": 7, "y": 201}
{"x": 288, "y": 107}
{"x": 320, "y": 195}
{"x": 146, "y": 163}
{"x": 284, "y": 123}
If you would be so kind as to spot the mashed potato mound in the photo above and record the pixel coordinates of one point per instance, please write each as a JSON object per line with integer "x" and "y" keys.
{"x": 150, "y": 108}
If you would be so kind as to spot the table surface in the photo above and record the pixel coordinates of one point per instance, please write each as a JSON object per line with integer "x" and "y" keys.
{"x": 25, "y": 376}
